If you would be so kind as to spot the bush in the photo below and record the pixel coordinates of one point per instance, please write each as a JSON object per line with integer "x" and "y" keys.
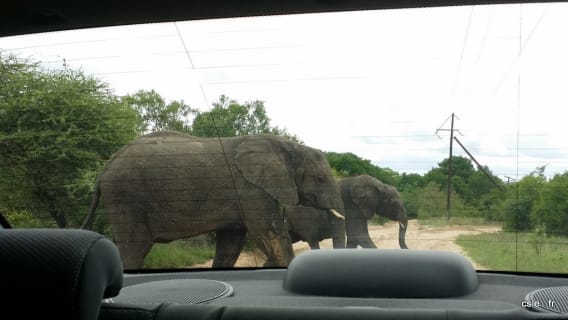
{"x": 432, "y": 203}
{"x": 551, "y": 209}
{"x": 25, "y": 219}
{"x": 177, "y": 254}
{"x": 521, "y": 200}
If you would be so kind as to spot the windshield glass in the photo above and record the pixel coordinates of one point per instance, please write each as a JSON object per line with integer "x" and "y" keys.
{"x": 244, "y": 142}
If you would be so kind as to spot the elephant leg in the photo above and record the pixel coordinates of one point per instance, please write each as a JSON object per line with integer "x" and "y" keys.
{"x": 230, "y": 243}
{"x": 314, "y": 244}
{"x": 278, "y": 249}
{"x": 131, "y": 234}
{"x": 365, "y": 241}
{"x": 274, "y": 241}
{"x": 358, "y": 233}
{"x": 351, "y": 243}
{"x": 266, "y": 227}
{"x": 133, "y": 253}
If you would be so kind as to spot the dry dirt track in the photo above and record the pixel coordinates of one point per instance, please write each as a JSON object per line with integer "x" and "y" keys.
{"x": 386, "y": 237}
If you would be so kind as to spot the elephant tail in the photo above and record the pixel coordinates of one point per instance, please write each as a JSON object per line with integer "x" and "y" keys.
{"x": 88, "y": 222}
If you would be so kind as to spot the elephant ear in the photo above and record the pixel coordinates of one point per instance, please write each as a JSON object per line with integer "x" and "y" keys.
{"x": 265, "y": 163}
{"x": 365, "y": 198}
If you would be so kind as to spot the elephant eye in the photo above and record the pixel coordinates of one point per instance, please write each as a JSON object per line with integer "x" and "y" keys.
{"x": 320, "y": 179}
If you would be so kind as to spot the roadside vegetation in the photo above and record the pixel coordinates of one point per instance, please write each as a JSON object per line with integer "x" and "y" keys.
{"x": 59, "y": 127}
{"x": 178, "y": 254}
{"x": 523, "y": 251}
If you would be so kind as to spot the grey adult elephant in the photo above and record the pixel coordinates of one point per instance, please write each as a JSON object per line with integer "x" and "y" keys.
{"x": 364, "y": 196}
{"x": 168, "y": 185}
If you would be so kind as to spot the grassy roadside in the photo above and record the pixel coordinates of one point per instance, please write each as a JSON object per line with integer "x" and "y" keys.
{"x": 457, "y": 221}
{"x": 178, "y": 254}
{"x": 523, "y": 252}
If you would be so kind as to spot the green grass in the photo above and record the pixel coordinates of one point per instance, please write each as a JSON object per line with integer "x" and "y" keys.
{"x": 522, "y": 252}
{"x": 177, "y": 254}
{"x": 456, "y": 221}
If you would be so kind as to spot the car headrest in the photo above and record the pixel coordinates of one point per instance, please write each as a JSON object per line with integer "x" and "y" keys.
{"x": 384, "y": 273}
{"x": 57, "y": 273}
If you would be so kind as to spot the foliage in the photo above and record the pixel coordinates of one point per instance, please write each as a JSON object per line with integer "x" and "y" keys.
{"x": 229, "y": 118}
{"x": 349, "y": 164}
{"x": 410, "y": 187}
{"x": 410, "y": 181}
{"x": 56, "y": 128}
{"x": 461, "y": 167}
{"x": 24, "y": 219}
{"x": 156, "y": 115}
{"x": 410, "y": 200}
{"x": 432, "y": 202}
{"x": 472, "y": 185}
{"x": 521, "y": 199}
{"x": 550, "y": 212}
{"x": 177, "y": 254}
{"x": 491, "y": 205}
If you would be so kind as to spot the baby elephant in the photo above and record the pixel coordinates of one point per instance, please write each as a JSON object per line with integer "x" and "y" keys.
{"x": 314, "y": 225}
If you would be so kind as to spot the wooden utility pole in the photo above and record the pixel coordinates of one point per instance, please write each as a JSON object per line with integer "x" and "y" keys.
{"x": 448, "y": 202}
{"x": 448, "y": 199}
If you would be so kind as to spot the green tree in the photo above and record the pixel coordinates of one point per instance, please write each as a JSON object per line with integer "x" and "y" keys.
{"x": 522, "y": 197}
{"x": 472, "y": 185}
{"x": 432, "y": 203}
{"x": 551, "y": 209}
{"x": 491, "y": 205}
{"x": 410, "y": 181}
{"x": 56, "y": 128}
{"x": 410, "y": 199}
{"x": 349, "y": 164}
{"x": 481, "y": 187}
{"x": 155, "y": 114}
{"x": 229, "y": 118}
{"x": 462, "y": 170}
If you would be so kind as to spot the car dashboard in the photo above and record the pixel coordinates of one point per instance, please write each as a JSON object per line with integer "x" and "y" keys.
{"x": 305, "y": 291}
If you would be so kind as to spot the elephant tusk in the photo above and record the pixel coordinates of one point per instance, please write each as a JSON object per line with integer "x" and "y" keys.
{"x": 402, "y": 225}
{"x": 337, "y": 214}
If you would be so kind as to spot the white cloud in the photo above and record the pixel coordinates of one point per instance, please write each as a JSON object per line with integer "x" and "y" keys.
{"x": 377, "y": 84}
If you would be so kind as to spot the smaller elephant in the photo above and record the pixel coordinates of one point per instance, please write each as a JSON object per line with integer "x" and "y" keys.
{"x": 314, "y": 225}
{"x": 363, "y": 196}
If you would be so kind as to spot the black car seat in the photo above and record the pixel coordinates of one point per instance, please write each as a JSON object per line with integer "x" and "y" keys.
{"x": 57, "y": 273}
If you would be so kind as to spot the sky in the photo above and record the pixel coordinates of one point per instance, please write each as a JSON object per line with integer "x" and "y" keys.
{"x": 375, "y": 83}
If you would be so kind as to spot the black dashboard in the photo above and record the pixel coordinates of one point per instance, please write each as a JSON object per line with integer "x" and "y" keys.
{"x": 271, "y": 293}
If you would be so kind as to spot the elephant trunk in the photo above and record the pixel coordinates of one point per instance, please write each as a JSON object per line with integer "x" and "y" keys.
{"x": 402, "y": 226}
{"x": 337, "y": 229}
{"x": 333, "y": 206}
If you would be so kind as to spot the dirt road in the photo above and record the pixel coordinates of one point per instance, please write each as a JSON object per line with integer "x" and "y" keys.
{"x": 386, "y": 237}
